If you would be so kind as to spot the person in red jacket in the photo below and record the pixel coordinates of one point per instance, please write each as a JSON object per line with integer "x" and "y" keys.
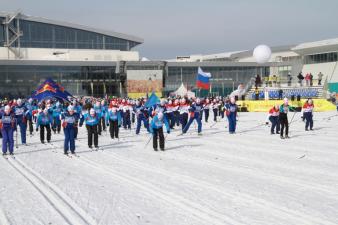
{"x": 273, "y": 116}
{"x": 308, "y": 114}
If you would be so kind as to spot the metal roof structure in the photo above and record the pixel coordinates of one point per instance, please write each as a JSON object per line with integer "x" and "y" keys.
{"x": 329, "y": 45}
{"x": 75, "y": 26}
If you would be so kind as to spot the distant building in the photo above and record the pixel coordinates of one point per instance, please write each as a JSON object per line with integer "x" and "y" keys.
{"x": 90, "y": 61}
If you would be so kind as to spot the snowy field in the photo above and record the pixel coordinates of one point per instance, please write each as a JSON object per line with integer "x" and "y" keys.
{"x": 248, "y": 178}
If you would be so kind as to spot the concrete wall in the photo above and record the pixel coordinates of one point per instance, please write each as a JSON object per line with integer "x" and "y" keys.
{"x": 70, "y": 54}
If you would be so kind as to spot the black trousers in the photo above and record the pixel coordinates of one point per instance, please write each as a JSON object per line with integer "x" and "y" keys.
{"x": 284, "y": 123}
{"x": 103, "y": 123}
{"x": 30, "y": 125}
{"x": 42, "y": 132}
{"x": 158, "y": 133}
{"x": 215, "y": 114}
{"x": 206, "y": 113}
{"x": 93, "y": 133}
{"x": 114, "y": 129}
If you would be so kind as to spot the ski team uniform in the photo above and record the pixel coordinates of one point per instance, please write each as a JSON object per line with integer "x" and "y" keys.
{"x": 92, "y": 128}
{"x": 156, "y": 128}
{"x": 141, "y": 116}
{"x": 274, "y": 119}
{"x": 20, "y": 116}
{"x": 44, "y": 121}
{"x": 231, "y": 112}
{"x": 308, "y": 115}
{"x": 184, "y": 110}
{"x": 69, "y": 124}
{"x": 195, "y": 114}
{"x": 8, "y": 126}
{"x": 283, "y": 118}
{"x": 113, "y": 120}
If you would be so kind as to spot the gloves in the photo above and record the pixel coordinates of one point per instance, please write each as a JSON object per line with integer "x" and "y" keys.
{"x": 266, "y": 123}
{"x": 37, "y": 129}
{"x": 64, "y": 124}
{"x": 107, "y": 124}
{"x": 168, "y": 131}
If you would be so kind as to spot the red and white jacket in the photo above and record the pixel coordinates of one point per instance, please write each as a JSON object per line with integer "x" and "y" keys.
{"x": 308, "y": 107}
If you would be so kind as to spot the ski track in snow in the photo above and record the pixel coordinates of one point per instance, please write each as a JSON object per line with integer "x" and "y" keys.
{"x": 305, "y": 164}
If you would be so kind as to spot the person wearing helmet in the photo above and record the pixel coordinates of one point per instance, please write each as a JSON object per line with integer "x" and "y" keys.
{"x": 231, "y": 112}
{"x": 44, "y": 121}
{"x": 113, "y": 120}
{"x": 156, "y": 128}
{"x": 92, "y": 121}
{"x": 273, "y": 117}
{"x": 69, "y": 123}
{"x": 20, "y": 112}
{"x": 195, "y": 114}
{"x": 7, "y": 126}
{"x": 308, "y": 114}
{"x": 283, "y": 118}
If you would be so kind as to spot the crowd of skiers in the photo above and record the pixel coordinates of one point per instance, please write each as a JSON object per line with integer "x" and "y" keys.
{"x": 112, "y": 114}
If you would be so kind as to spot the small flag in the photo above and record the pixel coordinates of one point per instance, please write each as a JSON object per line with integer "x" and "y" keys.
{"x": 203, "y": 79}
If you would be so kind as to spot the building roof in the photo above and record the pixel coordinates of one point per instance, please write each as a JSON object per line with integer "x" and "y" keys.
{"x": 76, "y": 26}
{"x": 328, "y": 45}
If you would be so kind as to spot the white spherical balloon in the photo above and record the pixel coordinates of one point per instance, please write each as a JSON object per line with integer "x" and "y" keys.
{"x": 262, "y": 53}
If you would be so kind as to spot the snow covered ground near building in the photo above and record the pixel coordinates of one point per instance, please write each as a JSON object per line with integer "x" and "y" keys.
{"x": 250, "y": 177}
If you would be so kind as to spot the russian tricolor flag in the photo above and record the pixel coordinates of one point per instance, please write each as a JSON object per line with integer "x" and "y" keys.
{"x": 203, "y": 79}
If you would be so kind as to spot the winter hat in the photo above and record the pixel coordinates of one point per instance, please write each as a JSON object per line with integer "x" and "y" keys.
{"x": 160, "y": 115}
{"x": 286, "y": 100}
{"x": 70, "y": 108}
{"x": 7, "y": 108}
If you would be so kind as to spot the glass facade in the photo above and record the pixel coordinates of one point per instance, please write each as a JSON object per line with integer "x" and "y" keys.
{"x": 42, "y": 35}
{"x": 321, "y": 58}
{"x": 224, "y": 79}
{"x": 21, "y": 81}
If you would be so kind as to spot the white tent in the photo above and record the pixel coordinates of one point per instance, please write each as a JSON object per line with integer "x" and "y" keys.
{"x": 182, "y": 91}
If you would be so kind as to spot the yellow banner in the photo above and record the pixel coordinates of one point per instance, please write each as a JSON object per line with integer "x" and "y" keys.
{"x": 142, "y": 95}
{"x": 321, "y": 105}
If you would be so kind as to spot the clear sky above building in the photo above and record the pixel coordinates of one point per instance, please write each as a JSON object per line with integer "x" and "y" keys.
{"x": 184, "y": 27}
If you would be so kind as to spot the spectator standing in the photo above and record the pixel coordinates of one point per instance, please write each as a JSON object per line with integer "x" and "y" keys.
{"x": 320, "y": 77}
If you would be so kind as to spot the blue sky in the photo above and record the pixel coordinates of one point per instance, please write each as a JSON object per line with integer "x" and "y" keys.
{"x": 185, "y": 27}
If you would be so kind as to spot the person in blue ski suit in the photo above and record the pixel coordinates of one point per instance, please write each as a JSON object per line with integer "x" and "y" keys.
{"x": 56, "y": 112}
{"x": 20, "y": 112}
{"x": 113, "y": 120}
{"x": 156, "y": 128}
{"x": 141, "y": 116}
{"x": 29, "y": 114}
{"x": 231, "y": 113}
{"x": 78, "y": 113}
{"x": 69, "y": 120}
{"x": 100, "y": 114}
{"x": 92, "y": 121}
{"x": 44, "y": 121}
{"x": 8, "y": 126}
{"x": 195, "y": 114}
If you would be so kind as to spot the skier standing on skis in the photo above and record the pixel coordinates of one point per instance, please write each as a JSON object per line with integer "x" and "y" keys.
{"x": 308, "y": 114}
{"x": 195, "y": 114}
{"x": 231, "y": 112}
{"x": 113, "y": 120}
{"x": 69, "y": 124}
{"x": 156, "y": 128}
{"x": 92, "y": 120}
{"x": 206, "y": 107}
{"x": 283, "y": 118}
{"x": 44, "y": 121}
{"x": 141, "y": 116}
{"x": 20, "y": 112}
{"x": 7, "y": 126}
{"x": 184, "y": 110}
{"x": 56, "y": 112}
{"x": 273, "y": 117}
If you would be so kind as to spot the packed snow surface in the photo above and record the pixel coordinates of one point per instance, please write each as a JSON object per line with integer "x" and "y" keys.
{"x": 251, "y": 177}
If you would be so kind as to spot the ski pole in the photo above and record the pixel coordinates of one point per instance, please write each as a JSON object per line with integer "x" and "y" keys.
{"x": 292, "y": 117}
{"x": 148, "y": 141}
{"x": 16, "y": 139}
